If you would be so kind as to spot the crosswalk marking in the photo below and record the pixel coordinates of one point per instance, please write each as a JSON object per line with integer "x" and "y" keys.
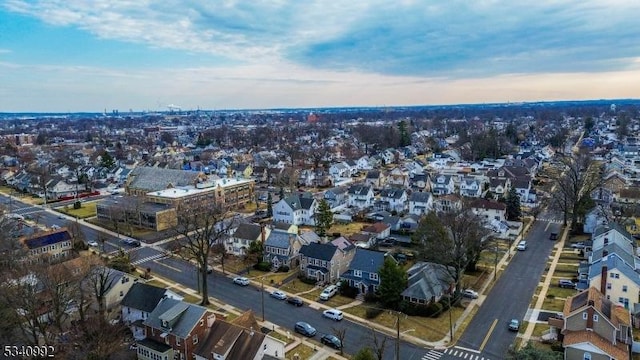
{"x": 467, "y": 354}
{"x": 554, "y": 221}
{"x": 432, "y": 355}
{"x": 148, "y": 258}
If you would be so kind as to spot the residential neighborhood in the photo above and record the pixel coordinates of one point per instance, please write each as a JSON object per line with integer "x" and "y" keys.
{"x": 190, "y": 235}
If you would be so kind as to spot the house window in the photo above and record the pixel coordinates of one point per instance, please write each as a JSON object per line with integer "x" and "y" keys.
{"x": 177, "y": 341}
{"x": 373, "y": 276}
{"x": 595, "y": 317}
{"x": 587, "y": 356}
{"x": 195, "y": 339}
{"x": 585, "y": 316}
{"x": 609, "y": 286}
{"x": 624, "y": 288}
{"x": 611, "y": 275}
{"x": 357, "y": 273}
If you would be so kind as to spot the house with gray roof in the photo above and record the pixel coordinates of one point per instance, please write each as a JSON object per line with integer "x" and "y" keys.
{"x": 139, "y": 302}
{"x": 392, "y": 199}
{"x": 282, "y": 249}
{"x": 420, "y": 203}
{"x": 174, "y": 328}
{"x": 443, "y": 185}
{"x": 363, "y": 270}
{"x": 297, "y": 209}
{"x": 324, "y": 262}
{"x": 239, "y": 241}
{"x": 360, "y": 196}
{"x": 427, "y": 283}
{"x": 145, "y": 179}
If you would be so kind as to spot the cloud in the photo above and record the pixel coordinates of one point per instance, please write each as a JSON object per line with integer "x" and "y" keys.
{"x": 5, "y": 51}
{"x": 454, "y": 39}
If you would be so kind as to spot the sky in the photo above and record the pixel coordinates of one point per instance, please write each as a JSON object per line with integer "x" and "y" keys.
{"x": 144, "y": 55}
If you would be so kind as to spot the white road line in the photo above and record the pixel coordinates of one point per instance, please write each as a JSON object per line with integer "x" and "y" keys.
{"x": 467, "y": 349}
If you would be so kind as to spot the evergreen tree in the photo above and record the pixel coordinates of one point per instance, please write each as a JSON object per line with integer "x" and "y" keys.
{"x": 281, "y": 193}
{"x": 513, "y": 205}
{"x": 404, "y": 134}
{"x": 269, "y": 206}
{"x": 107, "y": 161}
{"x": 324, "y": 218}
{"x": 393, "y": 281}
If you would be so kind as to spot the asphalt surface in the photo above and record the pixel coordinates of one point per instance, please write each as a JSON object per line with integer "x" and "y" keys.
{"x": 487, "y": 335}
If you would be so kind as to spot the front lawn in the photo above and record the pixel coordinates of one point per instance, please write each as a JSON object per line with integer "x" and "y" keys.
{"x": 86, "y": 210}
{"x": 303, "y": 351}
{"x": 296, "y": 286}
{"x": 347, "y": 229}
{"x": 282, "y": 337}
{"x": 553, "y": 304}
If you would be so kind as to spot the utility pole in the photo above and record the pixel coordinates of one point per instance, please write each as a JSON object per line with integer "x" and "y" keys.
{"x": 450, "y": 320}
{"x": 262, "y": 295}
{"x": 495, "y": 263}
{"x": 398, "y": 335}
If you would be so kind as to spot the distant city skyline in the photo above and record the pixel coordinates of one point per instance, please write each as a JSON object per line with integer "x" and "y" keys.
{"x": 91, "y": 55}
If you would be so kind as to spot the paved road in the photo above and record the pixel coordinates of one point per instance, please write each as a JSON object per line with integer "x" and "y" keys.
{"x": 487, "y": 336}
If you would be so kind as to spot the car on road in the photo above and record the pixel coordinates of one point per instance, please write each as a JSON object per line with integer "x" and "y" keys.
{"x": 331, "y": 340}
{"x": 305, "y": 329}
{"x": 567, "y": 284}
{"x": 131, "y": 242}
{"x": 279, "y": 295}
{"x": 553, "y": 236}
{"x": 241, "y": 280}
{"x": 92, "y": 243}
{"x": 514, "y": 325}
{"x": 60, "y": 216}
{"x": 578, "y": 245}
{"x": 333, "y": 314}
{"x": 469, "y": 293}
{"x": 295, "y": 301}
{"x": 522, "y": 245}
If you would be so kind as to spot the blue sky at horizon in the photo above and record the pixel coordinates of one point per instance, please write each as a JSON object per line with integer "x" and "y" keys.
{"x": 89, "y": 55}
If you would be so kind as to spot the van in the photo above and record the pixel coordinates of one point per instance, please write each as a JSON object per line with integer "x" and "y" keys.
{"x": 328, "y": 292}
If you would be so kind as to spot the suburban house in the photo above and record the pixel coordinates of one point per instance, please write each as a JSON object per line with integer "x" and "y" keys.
{"x": 470, "y": 187}
{"x": 360, "y": 196}
{"x": 427, "y": 283}
{"x": 392, "y": 199}
{"x": 594, "y": 327}
{"x": 139, "y": 302}
{"x": 447, "y": 203}
{"x": 363, "y": 270}
{"x": 282, "y": 249}
{"x": 114, "y": 285}
{"x": 324, "y": 262}
{"x": 379, "y": 230}
{"x": 336, "y": 196}
{"x": 242, "y": 237}
{"x": 54, "y": 244}
{"x": 420, "y": 181}
{"x": 173, "y": 330}
{"x": 364, "y": 163}
{"x": 374, "y": 179}
{"x": 234, "y": 340}
{"x": 489, "y": 210}
{"x": 499, "y": 187}
{"x": 420, "y": 203}
{"x": 523, "y": 189}
{"x": 398, "y": 178}
{"x": 442, "y": 185}
{"x": 299, "y": 209}
{"x": 340, "y": 170}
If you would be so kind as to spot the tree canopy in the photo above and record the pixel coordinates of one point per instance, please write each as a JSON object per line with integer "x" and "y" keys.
{"x": 393, "y": 281}
{"x": 324, "y": 218}
{"x": 513, "y": 205}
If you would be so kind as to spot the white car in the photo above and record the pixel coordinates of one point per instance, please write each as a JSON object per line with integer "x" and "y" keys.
{"x": 92, "y": 243}
{"x": 333, "y": 314}
{"x": 468, "y": 293}
{"x": 279, "y": 295}
{"x": 241, "y": 280}
{"x": 522, "y": 246}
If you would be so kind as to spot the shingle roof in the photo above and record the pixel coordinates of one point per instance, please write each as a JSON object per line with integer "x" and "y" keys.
{"x": 618, "y": 351}
{"x": 427, "y": 280}
{"x": 392, "y": 193}
{"x": 154, "y": 179}
{"x": 143, "y": 297}
{"x": 278, "y": 239}
{"x": 248, "y": 232}
{"x": 319, "y": 251}
{"x": 40, "y": 240}
{"x": 422, "y": 197}
{"x": 186, "y": 320}
{"x": 367, "y": 260}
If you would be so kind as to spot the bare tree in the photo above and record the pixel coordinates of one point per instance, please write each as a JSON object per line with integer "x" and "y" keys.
{"x": 379, "y": 342}
{"x": 574, "y": 183}
{"x": 200, "y": 228}
{"x": 340, "y": 333}
{"x": 99, "y": 281}
{"x": 219, "y": 254}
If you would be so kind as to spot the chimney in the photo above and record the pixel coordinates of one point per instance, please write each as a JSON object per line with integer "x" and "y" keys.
{"x": 603, "y": 280}
{"x": 590, "y": 316}
{"x": 262, "y": 234}
{"x": 210, "y": 320}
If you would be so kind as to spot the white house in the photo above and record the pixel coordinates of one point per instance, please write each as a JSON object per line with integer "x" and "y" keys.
{"x": 392, "y": 199}
{"x": 364, "y": 163}
{"x": 296, "y": 210}
{"x": 420, "y": 203}
{"x": 241, "y": 238}
{"x": 139, "y": 302}
{"x": 443, "y": 185}
{"x": 360, "y": 196}
{"x": 470, "y": 187}
{"x": 489, "y": 210}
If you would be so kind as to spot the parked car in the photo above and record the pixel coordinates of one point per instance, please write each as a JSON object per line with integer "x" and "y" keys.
{"x": 387, "y": 242}
{"x": 522, "y": 246}
{"x": 553, "y": 236}
{"x": 328, "y": 292}
{"x": 469, "y": 293}
{"x": 295, "y": 301}
{"x": 568, "y": 284}
{"x": 514, "y": 325}
{"x": 333, "y": 314}
{"x": 305, "y": 329}
{"x": 331, "y": 340}
{"x": 279, "y": 295}
{"x": 578, "y": 245}
{"x": 241, "y": 280}
{"x": 92, "y": 243}
{"x": 131, "y": 242}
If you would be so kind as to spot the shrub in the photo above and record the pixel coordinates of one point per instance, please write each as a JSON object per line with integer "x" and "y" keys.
{"x": 434, "y": 309}
{"x": 372, "y": 312}
{"x": 77, "y": 205}
{"x": 262, "y": 266}
{"x": 348, "y": 291}
{"x": 283, "y": 268}
{"x": 371, "y": 297}
{"x": 307, "y": 280}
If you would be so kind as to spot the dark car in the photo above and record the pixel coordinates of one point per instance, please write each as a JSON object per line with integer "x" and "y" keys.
{"x": 553, "y": 236}
{"x": 514, "y": 325}
{"x": 567, "y": 284}
{"x": 295, "y": 301}
{"x": 305, "y": 329}
{"x": 331, "y": 340}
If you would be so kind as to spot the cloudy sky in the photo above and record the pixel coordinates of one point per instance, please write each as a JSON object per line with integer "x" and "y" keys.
{"x": 91, "y": 55}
